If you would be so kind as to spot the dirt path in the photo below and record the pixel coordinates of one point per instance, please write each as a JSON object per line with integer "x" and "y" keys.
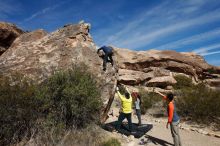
{"x": 160, "y": 136}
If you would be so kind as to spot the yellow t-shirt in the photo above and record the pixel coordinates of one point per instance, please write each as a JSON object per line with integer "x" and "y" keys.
{"x": 126, "y": 103}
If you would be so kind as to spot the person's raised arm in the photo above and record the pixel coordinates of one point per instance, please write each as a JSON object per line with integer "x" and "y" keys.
{"x": 164, "y": 96}
{"x": 127, "y": 90}
{"x": 99, "y": 50}
{"x": 119, "y": 94}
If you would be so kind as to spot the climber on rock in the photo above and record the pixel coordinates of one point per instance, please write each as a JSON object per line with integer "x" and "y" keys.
{"x": 108, "y": 52}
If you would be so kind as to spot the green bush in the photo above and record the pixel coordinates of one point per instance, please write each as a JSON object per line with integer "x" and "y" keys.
{"x": 65, "y": 100}
{"x": 71, "y": 98}
{"x": 148, "y": 100}
{"x": 182, "y": 82}
{"x": 111, "y": 142}
{"x": 18, "y": 108}
{"x": 212, "y": 71}
{"x": 197, "y": 101}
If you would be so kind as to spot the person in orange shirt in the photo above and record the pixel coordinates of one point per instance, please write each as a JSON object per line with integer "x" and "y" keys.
{"x": 173, "y": 118}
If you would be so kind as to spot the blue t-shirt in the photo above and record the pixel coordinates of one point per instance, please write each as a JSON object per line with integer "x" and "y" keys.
{"x": 106, "y": 49}
{"x": 175, "y": 115}
{"x": 137, "y": 104}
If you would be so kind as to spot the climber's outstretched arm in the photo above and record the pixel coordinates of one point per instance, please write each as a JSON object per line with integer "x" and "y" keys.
{"x": 119, "y": 94}
{"x": 127, "y": 90}
{"x": 99, "y": 50}
{"x": 164, "y": 96}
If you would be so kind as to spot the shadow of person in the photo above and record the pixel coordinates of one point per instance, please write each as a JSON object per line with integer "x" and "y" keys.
{"x": 157, "y": 141}
{"x": 137, "y": 131}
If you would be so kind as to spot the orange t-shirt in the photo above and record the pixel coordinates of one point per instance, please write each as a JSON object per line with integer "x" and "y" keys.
{"x": 170, "y": 110}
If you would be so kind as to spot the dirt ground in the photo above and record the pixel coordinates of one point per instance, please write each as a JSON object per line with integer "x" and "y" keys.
{"x": 160, "y": 136}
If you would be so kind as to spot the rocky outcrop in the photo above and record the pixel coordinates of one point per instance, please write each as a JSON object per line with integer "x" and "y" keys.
{"x": 38, "y": 54}
{"x": 157, "y": 68}
{"x": 30, "y": 37}
{"x": 132, "y": 77}
{"x": 161, "y": 81}
{"x": 8, "y": 33}
{"x": 213, "y": 83}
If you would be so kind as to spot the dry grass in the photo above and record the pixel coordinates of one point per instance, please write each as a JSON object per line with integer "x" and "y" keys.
{"x": 90, "y": 136}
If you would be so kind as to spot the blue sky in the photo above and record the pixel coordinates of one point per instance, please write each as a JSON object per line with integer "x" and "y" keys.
{"x": 181, "y": 25}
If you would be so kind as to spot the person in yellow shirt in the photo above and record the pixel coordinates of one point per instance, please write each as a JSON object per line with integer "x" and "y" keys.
{"x": 126, "y": 102}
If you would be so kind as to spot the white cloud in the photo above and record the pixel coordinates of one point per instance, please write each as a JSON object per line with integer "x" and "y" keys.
{"x": 132, "y": 25}
{"x": 44, "y": 11}
{"x": 209, "y": 53}
{"x": 148, "y": 37}
{"x": 206, "y": 49}
{"x": 160, "y": 22}
{"x": 189, "y": 40}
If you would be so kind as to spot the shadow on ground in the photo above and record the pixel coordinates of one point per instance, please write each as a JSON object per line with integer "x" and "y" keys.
{"x": 138, "y": 131}
{"x": 157, "y": 141}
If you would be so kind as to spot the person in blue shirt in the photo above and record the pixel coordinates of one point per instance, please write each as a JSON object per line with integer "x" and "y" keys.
{"x": 108, "y": 55}
{"x": 137, "y": 103}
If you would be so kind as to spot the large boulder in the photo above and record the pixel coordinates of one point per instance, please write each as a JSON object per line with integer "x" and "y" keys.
{"x": 29, "y": 37}
{"x": 144, "y": 67}
{"x": 132, "y": 77}
{"x": 214, "y": 83}
{"x": 161, "y": 81}
{"x": 38, "y": 54}
{"x": 8, "y": 33}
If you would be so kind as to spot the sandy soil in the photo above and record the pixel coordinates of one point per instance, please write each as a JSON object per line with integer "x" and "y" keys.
{"x": 160, "y": 136}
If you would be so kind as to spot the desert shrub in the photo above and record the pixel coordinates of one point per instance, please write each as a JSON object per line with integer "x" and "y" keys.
{"x": 68, "y": 99}
{"x": 18, "y": 108}
{"x": 111, "y": 142}
{"x": 71, "y": 98}
{"x": 197, "y": 101}
{"x": 148, "y": 100}
{"x": 182, "y": 82}
{"x": 212, "y": 71}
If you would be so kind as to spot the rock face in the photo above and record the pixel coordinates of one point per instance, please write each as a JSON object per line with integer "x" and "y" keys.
{"x": 8, "y": 33}
{"x": 38, "y": 54}
{"x": 161, "y": 81}
{"x": 157, "y": 68}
